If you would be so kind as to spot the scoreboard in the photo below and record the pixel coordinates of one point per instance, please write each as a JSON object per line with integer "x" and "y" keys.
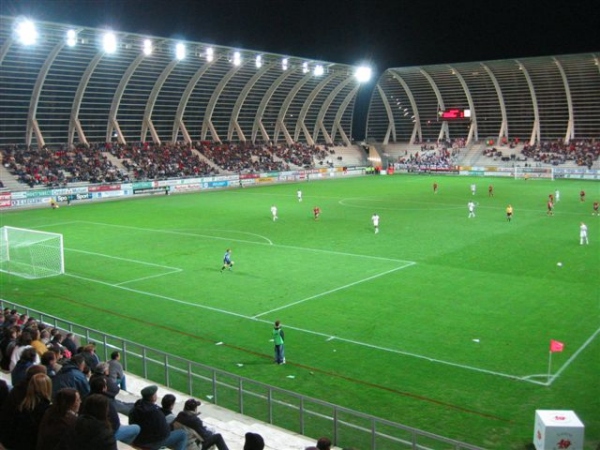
{"x": 455, "y": 114}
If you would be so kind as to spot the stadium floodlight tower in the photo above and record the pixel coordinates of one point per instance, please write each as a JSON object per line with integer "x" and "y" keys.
{"x": 31, "y": 254}
{"x": 26, "y": 32}
{"x": 363, "y": 74}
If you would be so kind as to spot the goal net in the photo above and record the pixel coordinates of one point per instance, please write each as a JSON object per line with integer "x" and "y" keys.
{"x": 31, "y": 253}
{"x": 534, "y": 173}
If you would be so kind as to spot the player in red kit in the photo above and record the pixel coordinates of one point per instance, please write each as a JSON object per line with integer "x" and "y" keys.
{"x": 582, "y": 195}
{"x": 435, "y": 188}
{"x": 316, "y": 212}
{"x": 490, "y": 191}
{"x": 550, "y": 211}
{"x": 596, "y": 206}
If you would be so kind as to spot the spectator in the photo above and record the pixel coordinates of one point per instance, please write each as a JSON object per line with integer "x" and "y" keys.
{"x": 37, "y": 343}
{"x": 29, "y": 413}
{"x": 7, "y": 346}
{"x": 115, "y": 370}
{"x": 189, "y": 418}
{"x": 254, "y": 441}
{"x": 167, "y": 405}
{"x": 27, "y": 360}
{"x": 58, "y": 419}
{"x": 154, "y": 429}
{"x": 49, "y": 361}
{"x": 69, "y": 343}
{"x": 23, "y": 342}
{"x": 324, "y": 443}
{"x": 89, "y": 354}
{"x": 92, "y": 430}
{"x": 101, "y": 370}
{"x": 123, "y": 433}
{"x": 71, "y": 375}
{"x": 8, "y": 413}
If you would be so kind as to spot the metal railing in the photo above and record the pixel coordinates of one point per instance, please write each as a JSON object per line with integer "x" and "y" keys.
{"x": 279, "y": 407}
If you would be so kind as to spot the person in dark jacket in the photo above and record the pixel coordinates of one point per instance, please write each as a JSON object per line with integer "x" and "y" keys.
{"x": 154, "y": 430}
{"x": 189, "y": 418}
{"x": 59, "y": 419}
{"x": 92, "y": 430}
{"x": 9, "y": 410}
{"x": 123, "y": 433}
{"x": 71, "y": 375}
{"x": 27, "y": 360}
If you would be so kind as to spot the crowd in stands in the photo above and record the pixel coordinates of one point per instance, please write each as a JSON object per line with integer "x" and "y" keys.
{"x": 146, "y": 161}
{"x": 581, "y": 152}
{"x": 62, "y": 397}
{"x": 249, "y": 158}
{"x": 442, "y": 158}
{"x": 45, "y": 167}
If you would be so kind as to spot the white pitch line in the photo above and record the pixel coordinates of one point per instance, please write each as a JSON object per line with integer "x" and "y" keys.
{"x": 162, "y": 297}
{"x": 124, "y": 259}
{"x": 149, "y": 277}
{"x": 321, "y": 294}
{"x": 573, "y": 356}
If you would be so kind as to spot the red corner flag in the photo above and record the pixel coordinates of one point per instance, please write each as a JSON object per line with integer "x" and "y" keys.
{"x": 556, "y": 346}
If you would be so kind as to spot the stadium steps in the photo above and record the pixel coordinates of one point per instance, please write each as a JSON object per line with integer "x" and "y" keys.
{"x": 351, "y": 156}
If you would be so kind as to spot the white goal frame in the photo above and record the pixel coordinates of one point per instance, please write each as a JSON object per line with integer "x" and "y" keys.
{"x": 30, "y": 253}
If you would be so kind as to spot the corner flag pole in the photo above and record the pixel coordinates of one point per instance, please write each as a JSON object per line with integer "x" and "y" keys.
{"x": 549, "y": 364}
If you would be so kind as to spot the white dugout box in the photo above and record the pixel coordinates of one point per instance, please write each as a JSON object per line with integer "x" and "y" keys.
{"x": 555, "y": 430}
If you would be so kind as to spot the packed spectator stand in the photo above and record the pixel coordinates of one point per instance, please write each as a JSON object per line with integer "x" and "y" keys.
{"x": 111, "y": 162}
{"x": 61, "y": 364}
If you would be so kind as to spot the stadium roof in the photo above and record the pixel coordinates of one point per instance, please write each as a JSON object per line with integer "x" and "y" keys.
{"x": 74, "y": 84}
{"x": 533, "y": 99}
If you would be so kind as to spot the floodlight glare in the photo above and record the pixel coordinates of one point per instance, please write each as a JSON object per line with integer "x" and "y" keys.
{"x": 237, "y": 59}
{"x": 258, "y": 61}
{"x": 209, "y": 54}
{"x": 363, "y": 74}
{"x": 109, "y": 42}
{"x": 318, "y": 70}
{"x": 284, "y": 64}
{"x": 147, "y": 48}
{"x": 26, "y": 32}
{"x": 180, "y": 51}
{"x": 71, "y": 38}
{"x": 305, "y": 67}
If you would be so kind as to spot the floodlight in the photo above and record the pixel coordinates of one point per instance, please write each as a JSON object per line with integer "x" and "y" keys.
{"x": 363, "y": 74}
{"x": 147, "y": 48}
{"x": 258, "y": 61}
{"x": 318, "y": 70}
{"x": 305, "y": 67}
{"x": 109, "y": 42}
{"x": 71, "y": 38}
{"x": 237, "y": 58}
{"x": 180, "y": 51}
{"x": 26, "y": 32}
{"x": 284, "y": 64}
{"x": 210, "y": 54}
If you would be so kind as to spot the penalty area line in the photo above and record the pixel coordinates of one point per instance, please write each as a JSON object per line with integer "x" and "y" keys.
{"x": 339, "y": 288}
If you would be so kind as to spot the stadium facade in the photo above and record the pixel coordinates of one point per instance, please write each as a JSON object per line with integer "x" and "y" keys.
{"x": 530, "y": 99}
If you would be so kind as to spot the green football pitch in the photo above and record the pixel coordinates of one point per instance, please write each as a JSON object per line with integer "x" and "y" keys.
{"x": 440, "y": 321}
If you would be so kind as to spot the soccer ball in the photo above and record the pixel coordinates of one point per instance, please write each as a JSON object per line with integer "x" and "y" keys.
{"x": 232, "y": 263}
{"x": 559, "y": 264}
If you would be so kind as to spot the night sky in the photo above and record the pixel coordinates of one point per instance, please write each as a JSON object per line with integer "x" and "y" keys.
{"x": 390, "y": 33}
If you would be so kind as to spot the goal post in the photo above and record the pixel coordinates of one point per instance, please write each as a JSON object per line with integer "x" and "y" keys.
{"x": 534, "y": 173}
{"x": 30, "y": 253}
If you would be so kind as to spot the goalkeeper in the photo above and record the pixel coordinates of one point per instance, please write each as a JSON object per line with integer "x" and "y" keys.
{"x": 227, "y": 262}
